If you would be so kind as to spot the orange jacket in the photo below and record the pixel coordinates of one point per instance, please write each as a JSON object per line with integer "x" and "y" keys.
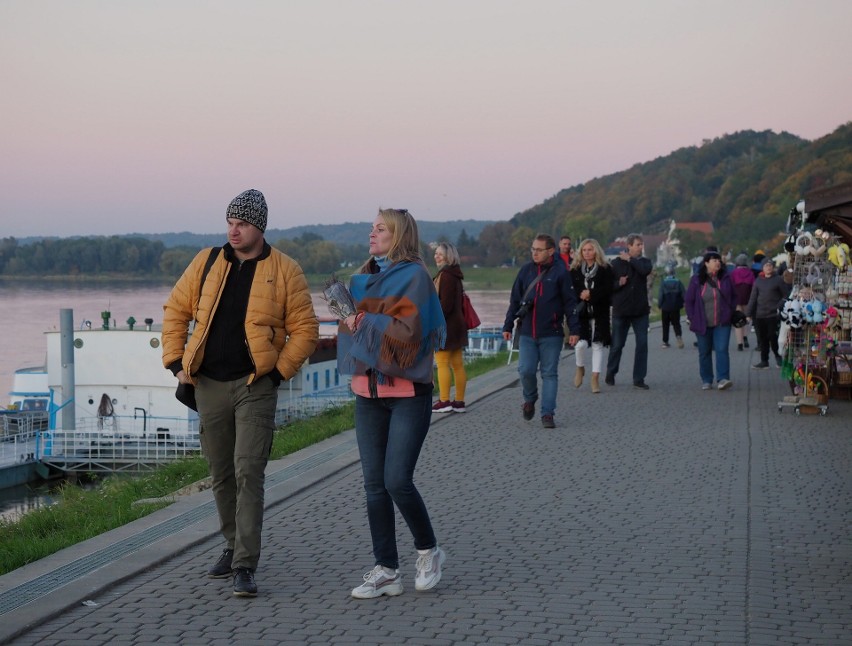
{"x": 281, "y": 328}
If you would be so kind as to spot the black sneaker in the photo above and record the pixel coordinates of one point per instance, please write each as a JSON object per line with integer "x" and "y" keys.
{"x": 547, "y": 421}
{"x": 778, "y": 360}
{"x": 244, "y": 585}
{"x": 745, "y": 341}
{"x": 609, "y": 380}
{"x": 763, "y": 365}
{"x": 528, "y": 410}
{"x": 222, "y": 568}
{"x": 641, "y": 385}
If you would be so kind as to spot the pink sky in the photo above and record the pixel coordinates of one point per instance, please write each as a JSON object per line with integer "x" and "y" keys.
{"x": 122, "y": 117}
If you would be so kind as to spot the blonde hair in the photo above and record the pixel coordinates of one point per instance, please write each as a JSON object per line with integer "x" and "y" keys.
{"x": 600, "y": 257}
{"x": 451, "y": 254}
{"x": 405, "y": 240}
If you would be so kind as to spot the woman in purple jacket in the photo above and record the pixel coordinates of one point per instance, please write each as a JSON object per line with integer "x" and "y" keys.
{"x": 710, "y": 303}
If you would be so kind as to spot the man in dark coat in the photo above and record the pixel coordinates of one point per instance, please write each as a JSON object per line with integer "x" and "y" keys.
{"x": 630, "y": 310}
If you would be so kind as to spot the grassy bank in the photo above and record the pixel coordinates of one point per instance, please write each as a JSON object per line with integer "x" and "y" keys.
{"x": 80, "y": 514}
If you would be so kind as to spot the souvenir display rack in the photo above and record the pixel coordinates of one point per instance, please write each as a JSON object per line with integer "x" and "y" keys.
{"x": 817, "y": 318}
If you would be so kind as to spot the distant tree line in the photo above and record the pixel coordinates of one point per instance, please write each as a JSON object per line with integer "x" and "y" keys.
{"x": 86, "y": 257}
{"x": 136, "y": 256}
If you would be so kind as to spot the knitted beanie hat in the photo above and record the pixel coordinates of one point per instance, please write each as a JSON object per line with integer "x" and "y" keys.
{"x": 250, "y": 206}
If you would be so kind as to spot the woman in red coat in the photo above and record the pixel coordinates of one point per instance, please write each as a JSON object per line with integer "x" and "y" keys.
{"x": 450, "y": 358}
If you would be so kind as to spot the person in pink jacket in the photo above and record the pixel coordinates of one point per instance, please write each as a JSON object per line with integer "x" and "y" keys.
{"x": 743, "y": 279}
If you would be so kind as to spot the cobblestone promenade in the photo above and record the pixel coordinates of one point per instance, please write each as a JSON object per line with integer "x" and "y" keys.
{"x": 672, "y": 516}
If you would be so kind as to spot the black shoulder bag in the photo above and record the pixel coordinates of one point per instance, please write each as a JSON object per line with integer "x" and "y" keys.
{"x": 526, "y": 302}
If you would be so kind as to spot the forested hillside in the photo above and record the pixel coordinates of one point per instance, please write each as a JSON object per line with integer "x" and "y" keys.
{"x": 745, "y": 183}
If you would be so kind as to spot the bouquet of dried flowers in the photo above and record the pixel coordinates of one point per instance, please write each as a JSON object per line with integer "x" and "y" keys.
{"x": 340, "y": 302}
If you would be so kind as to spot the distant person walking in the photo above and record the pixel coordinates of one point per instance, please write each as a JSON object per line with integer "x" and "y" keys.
{"x": 450, "y": 358}
{"x": 387, "y": 347}
{"x": 743, "y": 279}
{"x": 709, "y": 308}
{"x": 670, "y": 302}
{"x": 254, "y": 327}
{"x": 757, "y": 262}
{"x": 591, "y": 276}
{"x": 542, "y": 296}
{"x": 768, "y": 293}
{"x": 567, "y": 256}
{"x": 565, "y": 251}
{"x": 630, "y": 309}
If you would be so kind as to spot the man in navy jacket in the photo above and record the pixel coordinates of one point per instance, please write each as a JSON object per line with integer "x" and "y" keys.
{"x": 536, "y": 314}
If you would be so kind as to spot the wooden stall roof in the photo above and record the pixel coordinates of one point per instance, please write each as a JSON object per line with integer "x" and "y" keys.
{"x": 831, "y": 207}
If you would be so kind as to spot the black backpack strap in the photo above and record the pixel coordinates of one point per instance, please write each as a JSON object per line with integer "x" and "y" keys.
{"x": 214, "y": 253}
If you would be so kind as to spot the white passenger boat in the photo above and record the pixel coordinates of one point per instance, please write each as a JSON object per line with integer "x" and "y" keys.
{"x": 111, "y": 405}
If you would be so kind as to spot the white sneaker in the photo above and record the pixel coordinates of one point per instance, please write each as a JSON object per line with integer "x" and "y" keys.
{"x": 724, "y": 384}
{"x": 429, "y": 569}
{"x": 378, "y": 582}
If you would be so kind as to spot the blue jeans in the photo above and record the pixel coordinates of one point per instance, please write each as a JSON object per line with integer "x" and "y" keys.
{"x": 390, "y": 433}
{"x": 715, "y": 339}
{"x": 545, "y": 352}
{"x": 620, "y": 327}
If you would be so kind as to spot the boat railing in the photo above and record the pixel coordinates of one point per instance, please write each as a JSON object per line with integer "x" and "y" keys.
{"x": 484, "y": 341}
{"x": 96, "y": 451}
{"x": 137, "y": 426}
{"x": 309, "y": 405}
{"x": 17, "y": 422}
{"x": 18, "y": 448}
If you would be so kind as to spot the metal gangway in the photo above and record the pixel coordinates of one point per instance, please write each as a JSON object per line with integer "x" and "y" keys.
{"x": 115, "y": 446}
{"x": 92, "y": 452}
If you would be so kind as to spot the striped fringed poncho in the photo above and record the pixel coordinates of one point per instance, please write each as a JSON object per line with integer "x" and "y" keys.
{"x": 402, "y": 325}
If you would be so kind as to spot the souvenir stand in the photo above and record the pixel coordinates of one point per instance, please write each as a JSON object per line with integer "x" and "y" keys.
{"x": 816, "y": 320}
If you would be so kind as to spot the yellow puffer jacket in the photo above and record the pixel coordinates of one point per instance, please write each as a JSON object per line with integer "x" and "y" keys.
{"x": 281, "y": 327}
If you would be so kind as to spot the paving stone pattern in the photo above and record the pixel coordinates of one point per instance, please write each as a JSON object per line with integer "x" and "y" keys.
{"x": 672, "y": 516}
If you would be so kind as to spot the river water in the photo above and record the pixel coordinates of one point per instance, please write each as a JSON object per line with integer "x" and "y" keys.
{"x": 28, "y": 310}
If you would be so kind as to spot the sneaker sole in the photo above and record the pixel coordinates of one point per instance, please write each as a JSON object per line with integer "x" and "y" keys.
{"x": 437, "y": 579}
{"x": 245, "y": 594}
{"x": 389, "y": 590}
{"x": 443, "y": 410}
{"x": 226, "y": 575}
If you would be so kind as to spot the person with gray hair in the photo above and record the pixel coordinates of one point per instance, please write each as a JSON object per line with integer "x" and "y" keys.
{"x": 541, "y": 297}
{"x": 768, "y": 294}
{"x": 630, "y": 309}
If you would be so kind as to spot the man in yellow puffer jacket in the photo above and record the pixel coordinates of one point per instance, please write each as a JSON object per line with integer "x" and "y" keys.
{"x": 254, "y": 326}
